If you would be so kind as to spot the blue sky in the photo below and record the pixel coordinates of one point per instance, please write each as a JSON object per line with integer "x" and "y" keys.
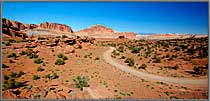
{"x": 154, "y": 17}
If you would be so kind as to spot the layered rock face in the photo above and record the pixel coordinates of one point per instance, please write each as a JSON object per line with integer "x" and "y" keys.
{"x": 13, "y": 29}
{"x": 56, "y": 26}
{"x": 130, "y": 35}
{"x": 31, "y": 26}
{"x": 100, "y": 31}
{"x": 18, "y": 30}
{"x": 96, "y": 30}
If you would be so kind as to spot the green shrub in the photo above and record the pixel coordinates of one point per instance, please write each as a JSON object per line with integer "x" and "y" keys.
{"x": 19, "y": 74}
{"x": 4, "y": 66}
{"x": 168, "y": 93}
{"x": 80, "y": 46}
{"x": 38, "y": 61}
{"x": 172, "y": 67}
{"x": 143, "y": 66}
{"x": 47, "y": 76}
{"x": 123, "y": 57}
{"x": 6, "y": 77}
{"x": 59, "y": 62}
{"x": 190, "y": 51}
{"x": 81, "y": 82}
{"x": 54, "y": 76}
{"x": 114, "y": 52}
{"x": 39, "y": 69}
{"x": 16, "y": 75}
{"x": 35, "y": 77}
{"x": 130, "y": 61}
{"x": 12, "y": 84}
{"x": 11, "y": 41}
{"x": 177, "y": 49}
{"x": 65, "y": 58}
{"x": 13, "y": 74}
{"x": 12, "y": 55}
{"x": 22, "y": 53}
{"x": 58, "y": 36}
{"x": 8, "y": 44}
{"x": 135, "y": 50}
{"x": 29, "y": 52}
{"x": 62, "y": 56}
{"x": 41, "y": 38}
{"x": 120, "y": 49}
{"x": 24, "y": 40}
{"x": 157, "y": 60}
{"x": 33, "y": 55}
{"x": 64, "y": 36}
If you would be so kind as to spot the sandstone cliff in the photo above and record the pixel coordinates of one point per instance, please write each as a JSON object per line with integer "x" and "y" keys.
{"x": 100, "y": 31}
{"x": 18, "y": 30}
{"x": 12, "y": 29}
{"x": 55, "y": 26}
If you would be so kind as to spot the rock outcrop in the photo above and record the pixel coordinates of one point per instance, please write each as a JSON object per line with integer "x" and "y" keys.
{"x": 129, "y": 35}
{"x": 100, "y": 31}
{"x": 95, "y": 30}
{"x": 13, "y": 29}
{"x": 31, "y": 26}
{"x": 17, "y": 30}
{"x": 12, "y": 24}
{"x": 55, "y": 26}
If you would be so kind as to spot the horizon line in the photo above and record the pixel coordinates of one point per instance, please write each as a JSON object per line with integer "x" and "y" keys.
{"x": 137, "y": 33}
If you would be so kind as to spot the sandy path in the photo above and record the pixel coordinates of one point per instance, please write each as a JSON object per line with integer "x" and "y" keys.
{"x": 109, "y": 59}
{"x": 93, "y": 94}
{"x": 98, "y": 92}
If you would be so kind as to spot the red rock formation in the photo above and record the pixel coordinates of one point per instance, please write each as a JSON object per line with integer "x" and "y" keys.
{"x": 12, "y": 24}
{"x": 12, "y": 29}
{"x": 56, "y": 26}
{"x": 130, "y": 35}
{"x": 31, "y": 26}
{"x": 94, "y": 30}
{"x": 100, "y": 31}
{"x": 16, "y": 29}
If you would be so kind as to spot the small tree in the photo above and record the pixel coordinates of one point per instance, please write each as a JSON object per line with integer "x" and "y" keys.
{"x": 130, "y": 61}
{"x": 12, "y": 55}
{"x": 121, "y": 49}
{"x": 143, "y": 66}
{"x": 81, "y": 82}
{"x": 59, "y": 62}
{"x": 38, "y": 61}
{"x": 39, "y": 69}
{"x": 35, "y": 77}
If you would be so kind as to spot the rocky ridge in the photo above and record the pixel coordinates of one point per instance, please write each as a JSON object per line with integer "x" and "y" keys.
{"x": 100, "y": 31}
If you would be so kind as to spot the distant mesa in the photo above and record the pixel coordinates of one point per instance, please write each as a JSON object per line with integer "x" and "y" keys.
{"x": 56, "y": 26}
{"x": 100, "y": 31}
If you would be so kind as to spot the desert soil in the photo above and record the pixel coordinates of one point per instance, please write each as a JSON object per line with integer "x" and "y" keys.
{"x": 105, "y": 80}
